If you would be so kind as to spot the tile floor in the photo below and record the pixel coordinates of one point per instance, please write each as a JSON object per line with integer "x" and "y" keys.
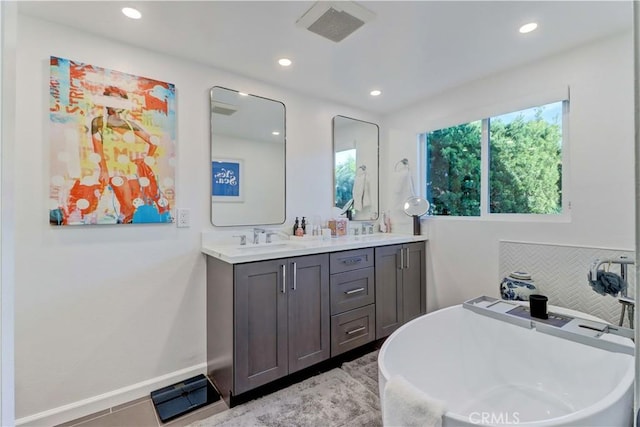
{"x": 141, "y": 413}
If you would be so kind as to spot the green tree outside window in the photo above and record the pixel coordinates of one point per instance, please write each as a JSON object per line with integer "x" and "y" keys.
{"x": 525, "y": 164}
{"x": 453, "y": 170}
{"x": 345, "y": 173}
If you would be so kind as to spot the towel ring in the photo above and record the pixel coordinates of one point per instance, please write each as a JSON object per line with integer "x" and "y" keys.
{"x": 404, "y": 162}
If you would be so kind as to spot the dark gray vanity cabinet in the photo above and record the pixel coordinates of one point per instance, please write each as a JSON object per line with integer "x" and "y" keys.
{"x": 400, "y": 285}
{"x": 267, "y": 319}
{"x": 279, "y": 320}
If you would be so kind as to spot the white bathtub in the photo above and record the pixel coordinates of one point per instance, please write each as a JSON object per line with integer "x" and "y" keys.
{"x": 490, "y": 372}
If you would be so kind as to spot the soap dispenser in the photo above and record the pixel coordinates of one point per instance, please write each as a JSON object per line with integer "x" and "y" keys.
{"x": 304, "y": 226}
{"x": 295, "y": 227}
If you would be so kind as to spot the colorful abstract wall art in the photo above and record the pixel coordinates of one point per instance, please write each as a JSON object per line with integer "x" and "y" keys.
{"x": 112, "y": 146}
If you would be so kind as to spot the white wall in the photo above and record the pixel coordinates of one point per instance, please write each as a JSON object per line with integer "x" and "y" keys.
{"x": 463, "y": 253}
{"x": 104, "y": 313}
{"x": 8, "y": 35}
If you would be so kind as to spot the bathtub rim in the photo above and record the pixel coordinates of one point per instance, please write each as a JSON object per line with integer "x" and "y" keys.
{"x": 606, "y": 401}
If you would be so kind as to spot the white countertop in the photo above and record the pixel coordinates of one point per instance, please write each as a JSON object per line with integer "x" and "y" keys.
{"x": 295, "y": 246}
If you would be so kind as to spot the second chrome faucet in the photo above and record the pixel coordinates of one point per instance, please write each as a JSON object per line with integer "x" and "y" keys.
{"x": 269, "y": 234}
{"x": 256, "y": 235}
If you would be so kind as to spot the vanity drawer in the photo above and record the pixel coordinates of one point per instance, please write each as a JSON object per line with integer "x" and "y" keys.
{"x": 352, "y": 329}
{"x": 352, "y": 289}
{"x": 350, "y": 260}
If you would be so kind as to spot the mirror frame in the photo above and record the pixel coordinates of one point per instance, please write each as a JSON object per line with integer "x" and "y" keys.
{"x": 284, "y": 158}
{"x": 377, "y": 165}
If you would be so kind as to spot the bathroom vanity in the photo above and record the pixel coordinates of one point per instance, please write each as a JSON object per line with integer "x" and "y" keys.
{"x": 275, "y": 310}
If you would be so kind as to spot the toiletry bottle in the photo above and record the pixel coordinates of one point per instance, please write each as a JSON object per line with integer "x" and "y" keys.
{"x": 387, "y": 222}
{"x": 304, "y": 226}
{"x": 382, "y": 223}
{"x": 295, "y": 227}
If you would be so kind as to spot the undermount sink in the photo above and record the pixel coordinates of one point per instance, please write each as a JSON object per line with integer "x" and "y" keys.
{"x": 279, "y": 245}
{"x": 374, "y": 237}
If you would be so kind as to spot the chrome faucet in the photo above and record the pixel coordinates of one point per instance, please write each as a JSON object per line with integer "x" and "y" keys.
{"x": 243, "y": 239}
{"x": 628, "y": 304}
{"x": 256, "y": 235}
{"x": 276, "y": 233}
{"x": 367, "y": 228}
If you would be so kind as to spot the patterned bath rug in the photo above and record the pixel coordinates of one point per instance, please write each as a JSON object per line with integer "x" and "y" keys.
{"x": 331, "y": 399}
{"x": 365, "y": 370}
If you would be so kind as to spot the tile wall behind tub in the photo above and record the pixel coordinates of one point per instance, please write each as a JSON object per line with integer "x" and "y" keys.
{"x": 560, "y": 273}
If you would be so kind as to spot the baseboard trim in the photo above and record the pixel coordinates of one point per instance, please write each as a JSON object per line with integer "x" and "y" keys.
{"x": 108, "y": 400}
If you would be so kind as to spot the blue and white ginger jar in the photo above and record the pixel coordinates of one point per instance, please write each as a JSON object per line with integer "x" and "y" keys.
{"x": 517, "y": 286}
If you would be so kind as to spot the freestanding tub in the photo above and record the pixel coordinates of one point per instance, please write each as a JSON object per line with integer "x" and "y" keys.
{"x": 491, "y": 372}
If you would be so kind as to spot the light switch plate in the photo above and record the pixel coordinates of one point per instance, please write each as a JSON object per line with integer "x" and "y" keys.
{"x": 183, "y": 219}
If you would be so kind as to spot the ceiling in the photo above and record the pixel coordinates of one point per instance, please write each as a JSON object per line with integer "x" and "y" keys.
{"x": 411, "y": 49}
{"x": 247, "y": 117}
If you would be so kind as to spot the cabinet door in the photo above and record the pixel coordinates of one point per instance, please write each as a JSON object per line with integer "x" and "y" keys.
{"x": 309, "y": 317}
{"x": 389, "y": 296}
{"x": 260, "y": 316}
{"x": 414, "y": 281}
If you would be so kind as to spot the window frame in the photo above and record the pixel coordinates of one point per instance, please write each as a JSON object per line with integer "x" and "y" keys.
{"x": 485, "y": 214}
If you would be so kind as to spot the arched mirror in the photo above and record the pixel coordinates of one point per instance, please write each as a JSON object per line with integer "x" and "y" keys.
{"x": 355, "y": 167}
{"x": 247, "y": 159}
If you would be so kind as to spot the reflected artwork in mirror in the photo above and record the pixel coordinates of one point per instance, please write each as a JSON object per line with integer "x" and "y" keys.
{"x": 355, "y": 167}
{"x": 247, "y": 159}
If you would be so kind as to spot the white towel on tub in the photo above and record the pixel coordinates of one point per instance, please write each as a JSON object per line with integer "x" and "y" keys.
{"x": 407, "y": 406}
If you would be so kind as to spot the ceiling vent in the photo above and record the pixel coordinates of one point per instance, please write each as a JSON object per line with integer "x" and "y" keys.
{"x": 335, "y": 20}
{"x": 218, "y": 107}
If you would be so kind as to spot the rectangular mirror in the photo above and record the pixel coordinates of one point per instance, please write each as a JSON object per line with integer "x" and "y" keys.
{"x": 355, "y": 167}
{"x": 247, "y": 159}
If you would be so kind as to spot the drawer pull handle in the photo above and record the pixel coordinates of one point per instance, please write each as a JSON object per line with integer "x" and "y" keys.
{"x": 354, "y": 291}
{"x": 352, "y": 261}
{"x": 361, "y": 328}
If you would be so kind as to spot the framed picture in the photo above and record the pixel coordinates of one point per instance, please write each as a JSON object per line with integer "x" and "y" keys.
{"x": 227, "y": 180}
{"x": 112, "y": 139}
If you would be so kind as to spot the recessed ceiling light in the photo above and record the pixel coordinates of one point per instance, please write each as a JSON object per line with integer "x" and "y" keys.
{"x": 285, "y": 62}
{"x": 527, "y": 28}
{"x": 375, "y": 92}
{"x": 132, "y": 13}
{"x": 275, "y": 132}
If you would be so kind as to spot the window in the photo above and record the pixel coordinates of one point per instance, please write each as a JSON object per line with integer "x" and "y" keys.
{"x": 453, "y": 170}
{"x": 345, "y": 173}
{"x": 523, "y": 171}
{"x": 525, "y": 161}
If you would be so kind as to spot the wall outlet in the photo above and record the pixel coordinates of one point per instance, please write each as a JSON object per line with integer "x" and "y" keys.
{"x": 183, "y": 219}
